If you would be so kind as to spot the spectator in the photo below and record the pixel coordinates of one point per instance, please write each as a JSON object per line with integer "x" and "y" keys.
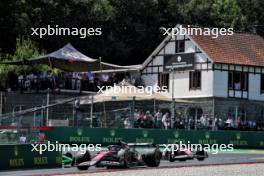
{"x": 22, "y": 139}
{"x": 165, "y": 120}
{"x": 230, "y": 122}
{"x": 21, "y": 82}
{"x": 127, "y": 123}
{"x": 238, "y": 122}
{"x": 237, "y": 85}
{"x": 139, "y": 119}
{"x": 158, "y": 119}
{"x": 203, "y": 121}
{"x": 50, "y": 77}
{"x": 147, "y": 120}
{"x": 78, "y": 81}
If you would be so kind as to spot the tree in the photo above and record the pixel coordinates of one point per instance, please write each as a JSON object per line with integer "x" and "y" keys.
{"x": 25, "y": 49}
{"x": 227, "y": 13}
{"x": 130, "y": 27}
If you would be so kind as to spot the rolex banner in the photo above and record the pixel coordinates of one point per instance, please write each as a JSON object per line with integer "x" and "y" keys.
{"x": 21, "y": 157}
{"x": 106, "y": 136}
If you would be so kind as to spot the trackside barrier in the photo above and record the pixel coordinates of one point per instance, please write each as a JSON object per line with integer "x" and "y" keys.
{"x": 21, "y": 157}
{"x": 105, "y": 136}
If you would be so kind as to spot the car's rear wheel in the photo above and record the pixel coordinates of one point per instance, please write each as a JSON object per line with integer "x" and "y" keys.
{"x": 84, "y": 158}
{"x": 201, "y": 155}
{"x": 182, "y": 159}
{"x": 200, "y": 158}
{"x": 153, "y": 160}
{"x": 83, "y": 167}
{"x": 126, "y": 160}
{"x": 171, "y": 159}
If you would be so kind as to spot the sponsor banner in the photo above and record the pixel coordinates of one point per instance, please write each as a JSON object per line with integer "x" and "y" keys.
{"x": 21, "y": 157}
{"x": 108, "y": 136}
{"x": 179, "y": 62}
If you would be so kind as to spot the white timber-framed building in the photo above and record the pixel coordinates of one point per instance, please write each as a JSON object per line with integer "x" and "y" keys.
{"x": 227, "y": 71}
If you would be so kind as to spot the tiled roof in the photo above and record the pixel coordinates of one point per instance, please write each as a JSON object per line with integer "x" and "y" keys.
{"x": 240, "y": 48}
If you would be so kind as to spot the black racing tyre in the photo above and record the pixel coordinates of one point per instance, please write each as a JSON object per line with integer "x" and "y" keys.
{"x": 126, "y": 160}
{"x": 70, "y": 156}
{"x": 182, "y": 159}
{"x": 200, "y": 158}
{"x": 153, "y": 160}
{"x": 202, "y": 155}
{"x": 83, "y": 167}
{"x": 171, "y": 159}
{"x": 84, "y": 158}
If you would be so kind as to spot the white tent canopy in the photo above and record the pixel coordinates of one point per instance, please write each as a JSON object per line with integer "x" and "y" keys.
{"x": 70, "y": 59}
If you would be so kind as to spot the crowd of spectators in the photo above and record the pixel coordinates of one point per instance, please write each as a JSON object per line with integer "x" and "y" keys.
{"x": 148, "y": 120}
{"x": 238, "y": 124}
{"x": 71, "y": 81}
{"x": 162, "y": 120}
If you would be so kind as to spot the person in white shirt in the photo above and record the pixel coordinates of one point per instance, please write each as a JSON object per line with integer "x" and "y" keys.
{"x": 127, "y": 123}
{"x": 78, "y": 81}
{"x": 237, "y": 86}
{"x": 203, "y": 121}
{"x": 21, "y": 81}
{"x": 105, "y": 77}
{"x": 22, "y": 139}
{"x": 165, "y": 120}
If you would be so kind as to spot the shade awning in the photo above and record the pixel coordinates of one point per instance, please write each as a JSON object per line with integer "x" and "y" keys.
{"x": 69, "y": 59}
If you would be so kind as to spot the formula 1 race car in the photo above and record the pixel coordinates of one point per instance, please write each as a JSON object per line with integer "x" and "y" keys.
{"x": 122, "y": 155}
{"x": 184, "y": 154}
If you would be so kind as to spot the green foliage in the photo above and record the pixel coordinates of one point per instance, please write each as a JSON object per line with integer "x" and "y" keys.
{"x": 25, "y": 49}
{"x": 227, "y": 13}
{"x": 130, "y": 27}
{"x": 197, "y": 12}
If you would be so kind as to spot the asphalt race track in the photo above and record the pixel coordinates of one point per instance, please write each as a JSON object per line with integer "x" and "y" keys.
{"x": 240, "y": 157}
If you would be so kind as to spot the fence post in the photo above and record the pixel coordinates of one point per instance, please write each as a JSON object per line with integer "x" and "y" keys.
{"x": 133, "y": 111}
{"x": 47, "y": 109}
{"x": 34, "y": 116}
{"x": 195, "y": 118}
{"x": 172, "y": 113}
{"x": 1, "y": 103}
{"x": 91, "y": 115}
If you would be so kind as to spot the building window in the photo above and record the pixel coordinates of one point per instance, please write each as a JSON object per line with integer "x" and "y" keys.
{"x": 262, "y": 83}
{"x": 195, "y": 79}
{"x": 180, "y": 46}
{"x": 163, "y": 80}
{"x": 237, "y": 81}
